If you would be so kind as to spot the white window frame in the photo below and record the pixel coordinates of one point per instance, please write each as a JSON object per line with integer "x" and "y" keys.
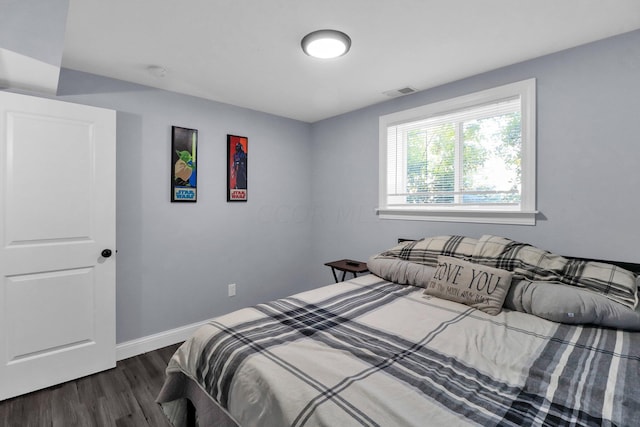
{"x": 524, "y": 214}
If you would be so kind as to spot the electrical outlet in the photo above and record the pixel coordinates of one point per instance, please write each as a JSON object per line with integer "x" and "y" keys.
{"x": 232, "y": 289}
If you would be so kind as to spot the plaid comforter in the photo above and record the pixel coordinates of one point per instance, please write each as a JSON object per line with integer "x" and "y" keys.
{"x": 373, "y": 353}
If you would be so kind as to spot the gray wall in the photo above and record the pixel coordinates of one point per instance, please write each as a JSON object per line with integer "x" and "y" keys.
{"x": 34, "y": 28}
{"x": 175, "y": 260}
{"x": 313, "y": 188}
{"x": 588, "y": 152}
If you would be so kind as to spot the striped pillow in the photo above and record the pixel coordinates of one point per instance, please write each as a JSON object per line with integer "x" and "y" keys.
{"x": 426, "y": 251}
{"x": 529, "y": 262}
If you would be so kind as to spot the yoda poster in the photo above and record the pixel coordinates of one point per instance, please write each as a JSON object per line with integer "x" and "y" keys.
{"x": 183, "y": 164}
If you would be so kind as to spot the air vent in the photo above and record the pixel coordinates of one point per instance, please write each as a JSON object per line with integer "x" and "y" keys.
{"x": 399, "y": 92}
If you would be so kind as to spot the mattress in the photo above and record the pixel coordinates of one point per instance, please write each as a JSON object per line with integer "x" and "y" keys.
{"x": 369, "y": 352}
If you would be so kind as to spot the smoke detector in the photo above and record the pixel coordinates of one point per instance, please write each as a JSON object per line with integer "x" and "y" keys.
{"x": 400, "y": 92}
{"x": 157, "y": 71}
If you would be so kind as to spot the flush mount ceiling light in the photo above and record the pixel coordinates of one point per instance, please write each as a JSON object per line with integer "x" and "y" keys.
{"x": 326, "y": 44}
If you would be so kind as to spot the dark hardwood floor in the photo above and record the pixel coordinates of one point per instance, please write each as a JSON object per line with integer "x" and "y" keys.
{"x": 123, "y": 396}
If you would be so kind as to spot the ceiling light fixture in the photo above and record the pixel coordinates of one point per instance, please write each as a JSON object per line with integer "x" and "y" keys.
{"x": 326, "y": 44}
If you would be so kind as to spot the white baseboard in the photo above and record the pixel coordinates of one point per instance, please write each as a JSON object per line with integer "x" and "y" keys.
{"x": 153, "y": 342}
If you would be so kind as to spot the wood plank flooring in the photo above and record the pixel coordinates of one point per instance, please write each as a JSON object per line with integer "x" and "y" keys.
{"x": 123, "y": 396}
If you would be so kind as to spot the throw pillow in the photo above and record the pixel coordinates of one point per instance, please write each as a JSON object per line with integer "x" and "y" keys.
{"x": 475, "y": 285}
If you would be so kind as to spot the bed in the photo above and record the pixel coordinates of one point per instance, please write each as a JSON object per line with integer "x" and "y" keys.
{"x": 559, "y": 344}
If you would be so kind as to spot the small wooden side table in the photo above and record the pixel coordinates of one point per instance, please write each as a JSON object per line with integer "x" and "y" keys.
{"x": 347, "y": 266}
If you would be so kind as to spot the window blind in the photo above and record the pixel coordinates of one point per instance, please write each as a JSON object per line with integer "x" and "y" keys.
{"x": 460, "y": 158}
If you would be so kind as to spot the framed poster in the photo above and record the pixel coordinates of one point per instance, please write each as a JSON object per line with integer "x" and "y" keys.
{"x": 237, "y": 150}
{"x": 184, "y": 144}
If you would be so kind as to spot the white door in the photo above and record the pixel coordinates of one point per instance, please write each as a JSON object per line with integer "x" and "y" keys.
{"x": 57, "y": 215}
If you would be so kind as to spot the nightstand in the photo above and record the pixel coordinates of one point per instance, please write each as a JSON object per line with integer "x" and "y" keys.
{"x": 347, "y": 266}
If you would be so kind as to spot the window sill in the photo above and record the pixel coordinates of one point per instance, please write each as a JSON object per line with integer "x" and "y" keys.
{"x": 454, "y": 215}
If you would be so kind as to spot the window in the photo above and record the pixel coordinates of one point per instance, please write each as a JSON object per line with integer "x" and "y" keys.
{"x": 467, "y": 159}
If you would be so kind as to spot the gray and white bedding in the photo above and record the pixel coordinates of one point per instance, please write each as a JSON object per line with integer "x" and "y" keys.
{"x": 525, "y": 261}
{"x": 567, "y": 290}
{"x": 370, "y": 352}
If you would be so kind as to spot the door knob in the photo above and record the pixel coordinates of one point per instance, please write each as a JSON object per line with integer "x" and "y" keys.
{"x": 106, "y": 253}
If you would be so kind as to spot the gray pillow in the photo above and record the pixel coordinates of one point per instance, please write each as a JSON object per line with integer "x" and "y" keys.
{"x": 568, "y": 304}
{"x": 400, "y": 271}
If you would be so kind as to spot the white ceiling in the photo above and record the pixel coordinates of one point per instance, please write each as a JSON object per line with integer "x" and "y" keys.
{"x": 247, "y": 52}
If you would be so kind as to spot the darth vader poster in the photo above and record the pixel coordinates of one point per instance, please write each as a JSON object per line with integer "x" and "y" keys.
{"x": 237, "y": 151}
